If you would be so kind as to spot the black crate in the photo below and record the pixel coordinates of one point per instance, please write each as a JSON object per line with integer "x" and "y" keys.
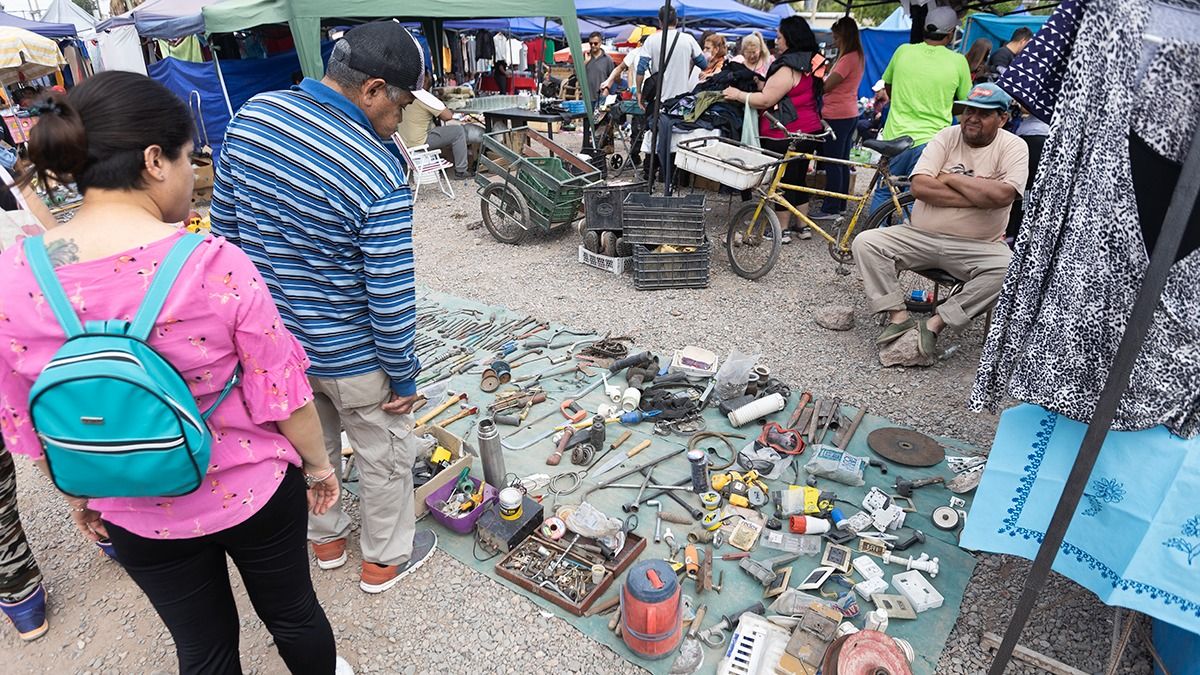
{"x": 603, "y": 204}
{"x": 654, "y": 271}
{"x": 654, "y": 220}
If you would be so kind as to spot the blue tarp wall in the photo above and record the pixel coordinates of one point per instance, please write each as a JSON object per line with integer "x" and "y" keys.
{"x": 243, "y": 78}
{"x": 998, "y": 29}
{"x": 878, "y": 46}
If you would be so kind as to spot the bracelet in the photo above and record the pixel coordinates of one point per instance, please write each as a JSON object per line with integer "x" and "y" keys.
{"x": 313, "y": 480}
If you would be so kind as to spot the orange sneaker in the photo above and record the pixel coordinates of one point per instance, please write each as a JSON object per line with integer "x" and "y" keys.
{"x": 331, "y": 555}
{"x": 378, "y": 578}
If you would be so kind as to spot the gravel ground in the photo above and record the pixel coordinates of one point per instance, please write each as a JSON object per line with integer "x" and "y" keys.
{"x": 100, "y": 622}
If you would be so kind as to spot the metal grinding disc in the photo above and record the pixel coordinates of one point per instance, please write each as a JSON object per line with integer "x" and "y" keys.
{"x": 945, "y": 518}
{"x": 905, "y": 446}
{"x": 867, "y": 652}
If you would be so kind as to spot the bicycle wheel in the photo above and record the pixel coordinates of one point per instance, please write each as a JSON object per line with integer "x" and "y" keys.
{"x": 504, "y": 212}
{"x": 884, "y": 216}
{"x": 753, "y": 243}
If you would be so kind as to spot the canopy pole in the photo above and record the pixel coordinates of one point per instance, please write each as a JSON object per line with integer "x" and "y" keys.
{"x": 221, "y": 79}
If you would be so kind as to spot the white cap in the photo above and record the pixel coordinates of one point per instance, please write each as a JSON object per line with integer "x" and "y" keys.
{"x": 878, "y": 85}
{"x": 941, "y": 20}
{"x": 429, "y": 99}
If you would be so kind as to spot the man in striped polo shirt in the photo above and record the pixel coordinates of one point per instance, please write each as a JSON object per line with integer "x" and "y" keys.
{"x": 306, "y": 188}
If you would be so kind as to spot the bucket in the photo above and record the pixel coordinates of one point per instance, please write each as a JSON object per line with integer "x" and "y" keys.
{"x": 651, "y": 610}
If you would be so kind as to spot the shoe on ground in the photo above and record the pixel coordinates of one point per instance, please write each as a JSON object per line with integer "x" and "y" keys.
{"x": 893, "y": 331}
{"x": 330, "y": 555}
{"x": 464, "y": 175}
{"x": 379, "y": 578}
{"x": 805, "y": 233}
{"x": 926, "y": 340}
{"x": 28, "y": 616}
{"x": 822, "y": 217}
{"x": 343, "y": 667}
{"x": 784, "y": 238}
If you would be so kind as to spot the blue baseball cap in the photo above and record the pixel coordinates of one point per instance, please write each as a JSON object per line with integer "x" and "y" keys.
{"x": 988, "y": 96}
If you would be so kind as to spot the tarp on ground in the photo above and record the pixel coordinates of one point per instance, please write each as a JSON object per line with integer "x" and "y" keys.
{"x": 728, "y": 13}
{"x": 998, "y": 29}
{"x": 65, "y": 11}
{"x": 878, "y": 46}
{"x": 163, "y": 19}
{"x": 50, "y": 30}
{"x": 244, "y": 78}
{"x": 523, "y": 27}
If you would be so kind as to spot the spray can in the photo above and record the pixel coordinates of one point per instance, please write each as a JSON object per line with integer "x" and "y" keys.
{"x": 491, "y": 454}
{"x": 596, "y": 433}
{"x": 699, "y": 462}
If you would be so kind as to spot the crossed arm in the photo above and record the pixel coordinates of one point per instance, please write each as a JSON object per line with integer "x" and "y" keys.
{"x": 951, "y": 190}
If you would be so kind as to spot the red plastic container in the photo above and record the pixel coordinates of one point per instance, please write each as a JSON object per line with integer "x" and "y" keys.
{"x": 466, "y": 523}
{"x": 652, "y": 610}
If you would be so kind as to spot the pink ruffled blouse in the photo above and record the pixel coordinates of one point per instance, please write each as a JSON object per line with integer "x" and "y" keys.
{"x": 218, "y": 313}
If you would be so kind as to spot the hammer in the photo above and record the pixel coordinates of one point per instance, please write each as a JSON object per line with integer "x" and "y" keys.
{"x": 906, "y": 487}
{"x": 441, "y": 408}
{"x": 458, "y": 416}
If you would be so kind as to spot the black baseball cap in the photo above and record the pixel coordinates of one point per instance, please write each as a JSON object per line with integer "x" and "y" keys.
{"x": 386, "y": 50}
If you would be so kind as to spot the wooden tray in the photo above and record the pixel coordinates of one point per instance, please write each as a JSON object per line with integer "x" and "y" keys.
{"x": 634, "y": 545}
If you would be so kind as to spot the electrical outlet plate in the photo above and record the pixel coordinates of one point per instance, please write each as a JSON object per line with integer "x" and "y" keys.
{"x": 867, "y": 568}
{"x": 780, "y": 584}
{"x": 872, "y": 546}
{"x": 870, "y": 587}
{"x": 815, "y": 578}
{"x": 917, "y": 590}
{"x": 838, "y": 557}
{"x": 896, "y": 606}
{"x": 876, "y": 500}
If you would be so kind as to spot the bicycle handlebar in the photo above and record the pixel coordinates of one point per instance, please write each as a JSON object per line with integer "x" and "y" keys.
{"x": 825, "y": 135}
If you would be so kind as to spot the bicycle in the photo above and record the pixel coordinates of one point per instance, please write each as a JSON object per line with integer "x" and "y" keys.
{"x": 754, "y": 240}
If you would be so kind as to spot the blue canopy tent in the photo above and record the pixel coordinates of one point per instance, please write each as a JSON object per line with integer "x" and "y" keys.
{"x": 524, "y": 27}
{"x": 712, "y": 13}
{"x": 163, "y": 19}
{"x": 998, "y": 29}
{"x": 50, "y": 30}
{"x": 878, "y": 45}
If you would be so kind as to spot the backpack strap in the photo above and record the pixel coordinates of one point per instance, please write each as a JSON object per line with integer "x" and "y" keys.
{"x": 237, "y": 377}
{"x": 52, "y": 290}
{"x": 164, "y": 278}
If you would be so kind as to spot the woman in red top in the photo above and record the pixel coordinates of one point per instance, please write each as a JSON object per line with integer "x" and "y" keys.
{"x": 793, "y": 95}
{"x": 840, "y": 110}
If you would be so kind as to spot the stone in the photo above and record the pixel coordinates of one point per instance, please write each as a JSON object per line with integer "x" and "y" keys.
{"x": 904, "y": 352}
{"x": 834, "y": 317}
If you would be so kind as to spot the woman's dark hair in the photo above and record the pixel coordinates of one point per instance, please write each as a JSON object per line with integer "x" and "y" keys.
{"x": 978, "y": 54}
{"x": 799, "y": 36}
{"x": 98, "y": 134}
{"x": 847, "y": 29}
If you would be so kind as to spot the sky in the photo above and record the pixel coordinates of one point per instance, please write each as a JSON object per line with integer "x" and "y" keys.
{"x": 24, "y": 8}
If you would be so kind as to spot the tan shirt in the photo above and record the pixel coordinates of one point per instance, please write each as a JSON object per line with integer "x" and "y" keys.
{"x": 1005, "y": 159}
{"x": 417, "y": 120}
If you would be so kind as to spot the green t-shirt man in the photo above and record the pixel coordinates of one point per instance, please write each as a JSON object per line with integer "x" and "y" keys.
{"x": 925, "y": 80}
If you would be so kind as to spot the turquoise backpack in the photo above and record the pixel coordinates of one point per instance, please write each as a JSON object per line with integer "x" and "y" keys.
{"x": 115, "y": 418}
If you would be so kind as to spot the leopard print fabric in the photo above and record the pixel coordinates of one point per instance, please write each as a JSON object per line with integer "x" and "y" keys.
{"x": 1079, "y": 258}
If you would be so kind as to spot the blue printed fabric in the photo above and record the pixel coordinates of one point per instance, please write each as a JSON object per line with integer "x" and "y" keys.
{"x": 1135, "y": 537}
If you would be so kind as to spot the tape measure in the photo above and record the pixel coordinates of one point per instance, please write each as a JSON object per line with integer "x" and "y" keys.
{"x": 946, "y": 518}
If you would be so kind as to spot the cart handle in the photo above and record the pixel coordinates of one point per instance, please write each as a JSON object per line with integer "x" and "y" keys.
{"x": 825, "y": 135}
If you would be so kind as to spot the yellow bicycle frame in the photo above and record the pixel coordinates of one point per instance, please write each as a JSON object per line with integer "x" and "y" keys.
{"x": 775, "y": 192}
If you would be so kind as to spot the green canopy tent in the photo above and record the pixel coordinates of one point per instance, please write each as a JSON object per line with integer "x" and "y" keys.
{"x": 304, "y": 17}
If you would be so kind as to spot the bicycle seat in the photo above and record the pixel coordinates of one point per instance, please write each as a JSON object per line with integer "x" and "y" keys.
{"x": 889, "y": 148}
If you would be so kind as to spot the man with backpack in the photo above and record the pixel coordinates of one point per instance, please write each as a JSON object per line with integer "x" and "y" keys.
{"x": 306, "y": 187}
{"x": 683, "y": 54}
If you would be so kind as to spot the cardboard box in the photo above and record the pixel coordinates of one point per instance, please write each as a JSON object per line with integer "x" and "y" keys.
{"x": 461, "y": 461}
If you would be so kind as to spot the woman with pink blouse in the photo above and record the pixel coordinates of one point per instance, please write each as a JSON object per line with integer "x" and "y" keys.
{"x": 125, "y": 140}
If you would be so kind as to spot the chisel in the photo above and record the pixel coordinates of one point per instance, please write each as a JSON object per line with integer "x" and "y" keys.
{"x": 616, "y": 461}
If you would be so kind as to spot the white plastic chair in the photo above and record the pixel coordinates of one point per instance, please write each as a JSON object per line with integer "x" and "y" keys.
{"x": 425, "y": 166}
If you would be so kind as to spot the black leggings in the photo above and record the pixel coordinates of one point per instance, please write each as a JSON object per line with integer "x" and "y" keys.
{"x": 796, "y": 172}
{"x": 187, "y": 581}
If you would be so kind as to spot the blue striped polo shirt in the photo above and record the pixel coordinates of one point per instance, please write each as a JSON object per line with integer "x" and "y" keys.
{"x": 305, "y": 187}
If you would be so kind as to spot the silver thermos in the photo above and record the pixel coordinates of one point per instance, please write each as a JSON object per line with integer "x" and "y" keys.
{"x": 491, "y": 454}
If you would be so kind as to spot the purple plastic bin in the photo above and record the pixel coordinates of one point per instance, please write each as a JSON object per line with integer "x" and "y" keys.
{"x": 466, "y": 523}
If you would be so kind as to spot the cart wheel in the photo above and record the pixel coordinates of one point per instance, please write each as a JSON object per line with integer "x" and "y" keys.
{"x": 608, "y": 244}
{"x": 591, "y": 241}
{"x": 624, "y": 250}
{"x": 505, "y": 212}
{"x": 753, "y": 243}
{"x": 617, "y": 164}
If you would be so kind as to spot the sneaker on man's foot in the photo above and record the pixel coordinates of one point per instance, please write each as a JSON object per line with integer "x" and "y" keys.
{"x": 805, "y": 233}
{"x": 893, "y": 331}
{"x": 330, "y": 555}
{"x": 28, "y": 616}
{"x": 378, "y": 578}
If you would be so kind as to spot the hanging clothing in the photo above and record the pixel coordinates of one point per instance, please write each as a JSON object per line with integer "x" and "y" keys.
{"x": 1083, "y": 247}
{"x": 537, "y": 49}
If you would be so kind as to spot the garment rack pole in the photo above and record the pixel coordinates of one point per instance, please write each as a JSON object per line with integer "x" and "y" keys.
{"x": 655, "y": 108}
{"x": 1138, "y": 325}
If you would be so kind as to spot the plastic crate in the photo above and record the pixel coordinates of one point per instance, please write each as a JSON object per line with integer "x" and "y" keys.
{"x": 654, "y": 271}
{"x": 466, "y": 523}
{"x": 546, "y": 176}
{"x": 651, "y": 219}
{"x": 603, "y": 204}
{"x": 726, "y": 162}
{"x": 602, "y": 262}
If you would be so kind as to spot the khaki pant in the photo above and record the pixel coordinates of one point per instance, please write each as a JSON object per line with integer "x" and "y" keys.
{"x": 883, "y": 253}
{"x": 384, "y": 451}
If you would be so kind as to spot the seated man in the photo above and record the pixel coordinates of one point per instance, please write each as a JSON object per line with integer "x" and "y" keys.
{"x": 416, "y": 128}
{"x": 964, "y": 184}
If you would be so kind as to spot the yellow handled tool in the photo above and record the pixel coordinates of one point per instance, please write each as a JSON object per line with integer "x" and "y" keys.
{"x": 441, "y": 408}
{"x": 616, "y": 461}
